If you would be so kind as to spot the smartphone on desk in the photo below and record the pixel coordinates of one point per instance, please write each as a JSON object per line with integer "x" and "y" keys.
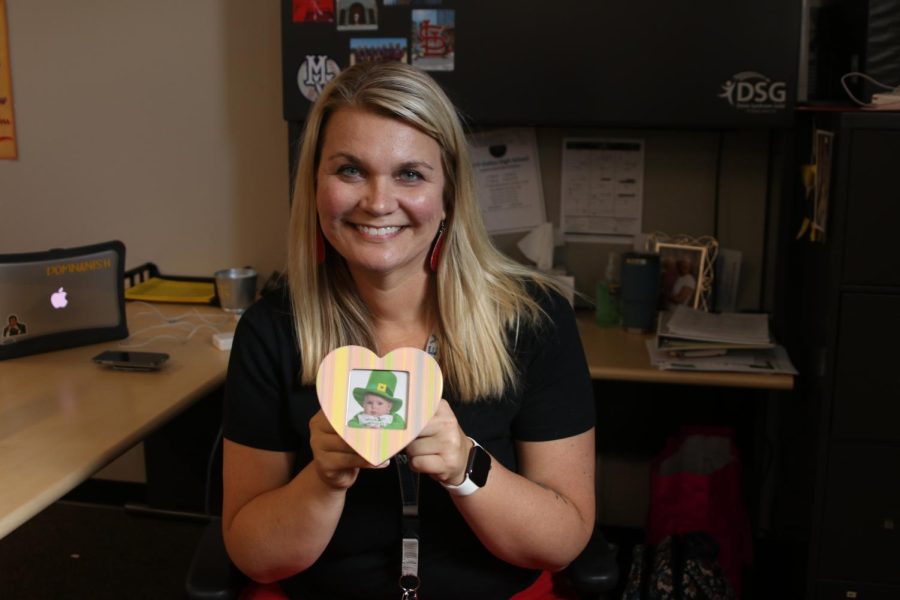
{"x": 131, "y": 361}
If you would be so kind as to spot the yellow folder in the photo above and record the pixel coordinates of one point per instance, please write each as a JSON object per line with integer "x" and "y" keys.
{"x": 157, "y": 289}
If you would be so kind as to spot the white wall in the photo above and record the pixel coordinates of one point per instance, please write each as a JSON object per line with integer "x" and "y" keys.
{"x": 156, "y": 123}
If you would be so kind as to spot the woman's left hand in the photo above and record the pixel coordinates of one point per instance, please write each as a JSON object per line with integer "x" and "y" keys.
{"x": 442, "y": 449}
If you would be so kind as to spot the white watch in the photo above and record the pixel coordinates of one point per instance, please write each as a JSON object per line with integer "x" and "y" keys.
{"x": 477, "y": 468}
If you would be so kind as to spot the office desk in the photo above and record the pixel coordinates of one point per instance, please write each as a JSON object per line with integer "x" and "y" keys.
{"x": 62, "y": 417}
{"x": 632, "y": 430}
{"x": 615, "y": 354}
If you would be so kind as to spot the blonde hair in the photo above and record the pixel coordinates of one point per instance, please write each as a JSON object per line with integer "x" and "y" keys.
{"x": 480, "y": 295}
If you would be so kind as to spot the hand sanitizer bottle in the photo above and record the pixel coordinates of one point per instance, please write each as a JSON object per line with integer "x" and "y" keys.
{"x": 608, "y": 312}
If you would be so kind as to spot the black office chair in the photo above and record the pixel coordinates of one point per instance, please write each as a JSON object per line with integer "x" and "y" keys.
{"x": 595, "y": 573}
{"x": 212, "y": 575}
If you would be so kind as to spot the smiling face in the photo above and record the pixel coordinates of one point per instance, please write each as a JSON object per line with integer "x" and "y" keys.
{"x": 376, "y": 405}
{"x": 379, "y": 193}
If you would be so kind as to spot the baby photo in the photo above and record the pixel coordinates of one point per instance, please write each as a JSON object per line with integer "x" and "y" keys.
{"x": 377, "y": 399}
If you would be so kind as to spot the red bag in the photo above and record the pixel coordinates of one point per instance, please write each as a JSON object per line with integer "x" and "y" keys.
{"x": 695, "y": 485}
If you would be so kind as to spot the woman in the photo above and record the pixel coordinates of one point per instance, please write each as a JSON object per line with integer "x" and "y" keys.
{"x": 387, "y": 250}
{"x": 685, "y": 286}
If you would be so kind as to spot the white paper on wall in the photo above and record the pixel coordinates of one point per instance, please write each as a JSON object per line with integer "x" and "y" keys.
{"x": 508, "y": 179}
{"x": 602, "y": 195}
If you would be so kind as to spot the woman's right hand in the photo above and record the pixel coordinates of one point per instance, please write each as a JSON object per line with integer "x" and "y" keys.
{"x": 337, "y": 464}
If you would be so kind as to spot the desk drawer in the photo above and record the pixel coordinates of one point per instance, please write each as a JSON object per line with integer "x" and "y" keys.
{"x": 851, "y": 590}
{"x": 867, "y": 376}
{"x": 861, "y": 528}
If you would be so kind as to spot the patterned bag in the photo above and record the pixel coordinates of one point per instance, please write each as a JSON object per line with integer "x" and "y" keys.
{"x": 681, "y": 567}
{"x": 695, "y": 485}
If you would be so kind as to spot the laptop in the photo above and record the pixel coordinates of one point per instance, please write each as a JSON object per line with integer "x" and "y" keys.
{"x": 61, "y": 298}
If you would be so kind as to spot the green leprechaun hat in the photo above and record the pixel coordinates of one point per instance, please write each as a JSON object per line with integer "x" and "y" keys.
{"x": 381, "y": 383}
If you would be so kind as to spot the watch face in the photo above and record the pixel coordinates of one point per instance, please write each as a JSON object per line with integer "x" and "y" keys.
{"x": 479, "y": 465}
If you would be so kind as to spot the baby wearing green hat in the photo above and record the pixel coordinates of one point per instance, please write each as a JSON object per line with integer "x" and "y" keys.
{"x": 378, "y": 403}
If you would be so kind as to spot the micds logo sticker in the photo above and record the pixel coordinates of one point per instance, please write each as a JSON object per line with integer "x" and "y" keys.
{"x": 314, "y": 72}
{"x": 754, "y": 92}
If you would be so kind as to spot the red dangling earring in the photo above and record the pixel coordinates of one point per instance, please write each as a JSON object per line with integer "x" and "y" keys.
{"x": 320, "y": 246}
{"x": 436, "y": 247}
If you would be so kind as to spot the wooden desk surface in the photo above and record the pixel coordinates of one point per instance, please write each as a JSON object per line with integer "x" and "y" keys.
{"x": 62, "y": 417}
{"x": 615, "y": 354}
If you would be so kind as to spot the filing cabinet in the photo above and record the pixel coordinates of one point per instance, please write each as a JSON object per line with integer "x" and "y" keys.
{"x": 861, "y": 526}
{"x": 871, "y": 255}
{"x": 845, "y": 333}
{"x": 849, "y": 590}
{"x": 867, "y": 368}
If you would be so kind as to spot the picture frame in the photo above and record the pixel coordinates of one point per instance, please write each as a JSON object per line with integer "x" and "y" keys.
{"x": 685, "y": 261}
{"x": 408, "y": 377}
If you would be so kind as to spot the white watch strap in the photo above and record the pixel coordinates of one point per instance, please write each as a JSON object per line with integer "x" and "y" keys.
{"x": 465, "y": 488}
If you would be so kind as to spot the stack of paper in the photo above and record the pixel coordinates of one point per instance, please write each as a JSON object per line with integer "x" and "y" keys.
{"x": 765, "y": 360}
{"x": 687, "y": 330}
{"x": 695, "y": 340}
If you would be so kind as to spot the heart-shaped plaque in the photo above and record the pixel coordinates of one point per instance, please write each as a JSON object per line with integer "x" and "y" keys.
{"x": 378, "y": 405}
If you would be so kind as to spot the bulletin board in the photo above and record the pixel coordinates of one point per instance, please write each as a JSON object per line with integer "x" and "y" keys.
{"x": 642, "y": 63}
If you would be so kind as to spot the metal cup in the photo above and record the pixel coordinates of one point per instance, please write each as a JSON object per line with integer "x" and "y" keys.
{"x": 236, "y": 289}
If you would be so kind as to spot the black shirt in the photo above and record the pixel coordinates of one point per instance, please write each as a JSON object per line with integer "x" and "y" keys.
{"x": 266, "y": 407}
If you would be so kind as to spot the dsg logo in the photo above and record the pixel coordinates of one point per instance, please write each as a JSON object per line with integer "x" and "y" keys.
{"x": 754, "y": 92}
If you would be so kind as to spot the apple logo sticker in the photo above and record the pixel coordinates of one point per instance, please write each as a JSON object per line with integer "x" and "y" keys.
{"x": 58, "y": 299}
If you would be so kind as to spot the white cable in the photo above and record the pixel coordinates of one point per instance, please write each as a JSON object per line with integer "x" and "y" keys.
{"x": 198, "y": 328}
{"x": 191, "y": 313}
{"x": 165, "y": 336}
{"x": 150, "y": 341}
{"x": 174, "y": 322}
{"x": 159, "y": 313}
{"x": 872, "y": 80}
{"x": 207, "y": 319}
{"x": 160, "y": 326}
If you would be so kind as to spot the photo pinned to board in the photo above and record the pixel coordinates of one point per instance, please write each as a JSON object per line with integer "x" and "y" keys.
{"x": 378, "y": 49}
{"x": 357, "y": 15}
{"x": 434, "y": 39}
{"x": 312, "y": 11}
